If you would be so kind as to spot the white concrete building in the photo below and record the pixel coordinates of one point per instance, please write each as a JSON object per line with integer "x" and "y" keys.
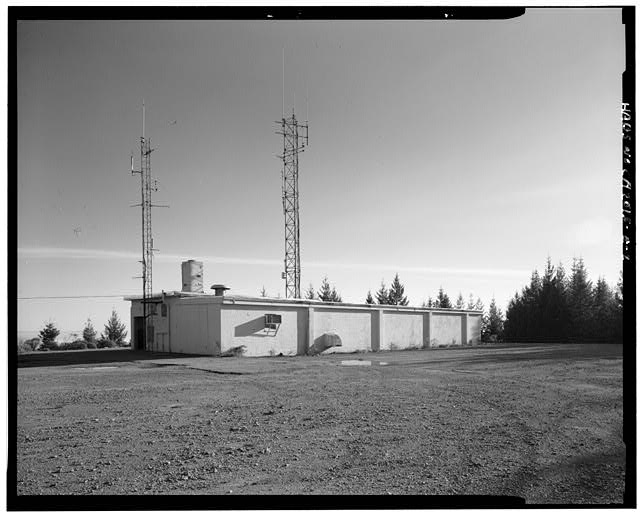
{"x": 206, "y": 324}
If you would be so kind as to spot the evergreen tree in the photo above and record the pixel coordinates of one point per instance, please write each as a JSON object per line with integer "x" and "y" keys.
{"x": 443, "y": 300}
{"x": 484, "y": 320}
{"x": 580, "y": 300}
{"x": 89, "y": 333}
{"x": 328, "y": 293}
{"x": 536, "y": 283}
{"x": 460, "y": 302}
{"x": 382, "y": 296}
{"x": 556, "y": 308}
{"x": 604, "y": 318}
{"x": 325, "y": 290}
{"x": 310, "y": 292}
{"x": 369, "y": 299}
{"x": 430, "y": 302}
{"x": 495, "y": 325}
{"x": 396, "y": 293}
{"x": 513, "y": 321}
{"x": 48, "y": 336}
{"x": 470, "y": 302}
{"x": 263, "y": 292}
{"x": 562, "y": 282}
{"x": 552, "y": 309}
{"x": 114, "y": 332}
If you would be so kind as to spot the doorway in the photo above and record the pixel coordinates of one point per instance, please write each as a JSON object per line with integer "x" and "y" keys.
{"x": 138, "y": 333}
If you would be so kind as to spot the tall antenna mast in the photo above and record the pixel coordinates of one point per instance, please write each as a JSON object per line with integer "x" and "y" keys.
{"x": 146, "y": 187}
{"x": 295, "y": 138}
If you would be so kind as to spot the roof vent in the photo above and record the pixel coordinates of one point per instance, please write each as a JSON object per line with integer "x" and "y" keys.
{"x": 219, "y": 289}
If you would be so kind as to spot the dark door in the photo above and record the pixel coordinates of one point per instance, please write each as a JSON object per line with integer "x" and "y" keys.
{"x": 138, "y": 330}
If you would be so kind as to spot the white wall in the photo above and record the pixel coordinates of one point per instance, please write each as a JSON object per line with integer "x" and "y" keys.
{"x": 473, "y": 329}
{"x": 194, "y": 327}
{"x": 243, "y": 325}
{"x": 446, "y": 329}
{"x": 208, "y": 325}
{"x": 352, "y": 326}
{"x": 402, "y": 330}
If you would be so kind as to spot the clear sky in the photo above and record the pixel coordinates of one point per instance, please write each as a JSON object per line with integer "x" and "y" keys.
{"x": 457, "y": 153}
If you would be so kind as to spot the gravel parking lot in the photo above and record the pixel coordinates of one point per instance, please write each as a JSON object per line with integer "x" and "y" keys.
{"x": 541, "y": 422}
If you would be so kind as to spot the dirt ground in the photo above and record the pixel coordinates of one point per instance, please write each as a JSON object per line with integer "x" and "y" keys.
{"x": 539, "y": 422}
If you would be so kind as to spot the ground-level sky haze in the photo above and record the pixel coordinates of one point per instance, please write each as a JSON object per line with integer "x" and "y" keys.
{"x": 456, "y": 153}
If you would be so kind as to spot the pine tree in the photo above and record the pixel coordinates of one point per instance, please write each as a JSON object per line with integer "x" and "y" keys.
{"x": 460, "y": 302}
{"x": 552, "y": 309}
{"x": 603, "y": 320}
{"x": 369, "y": 300}
{"x": 335, "y": 297}
{"x": 89, "y": 333}
{"x": 48, "y": 336}
{"x": 263, "y": 292}
{"x": 484, "y": 320}
{"x": 513, "y": 321}
{"x": 382, "y": 296}
{"x": 396, "y": 293}
{"x": 536, "y": 282}
{"x": 114, "y": 332}
{"x": 310, "y": 292}
{"x": 556, "y": 308}
{"x": 429, "y": 302}
{"x": 443, "y": 300}
{"x": 580, "y": 299}
{"x": 495, "y": 324}
{"x": 325, "y": 290}
{"x": 562, "y": 283}
{"x": 471, "y": 302}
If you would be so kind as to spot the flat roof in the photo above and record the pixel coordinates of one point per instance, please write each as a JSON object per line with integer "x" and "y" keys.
{"x": 233, "y": 298}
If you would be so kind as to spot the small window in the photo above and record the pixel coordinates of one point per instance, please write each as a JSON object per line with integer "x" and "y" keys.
{"x": 163, "y": 309}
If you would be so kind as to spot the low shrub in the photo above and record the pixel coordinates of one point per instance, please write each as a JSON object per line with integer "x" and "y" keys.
{"x": 28, "y": 346}
{"x": 106, "y": 343}
{"x": 91, "y": 345}
{"x": 76, "y": 344}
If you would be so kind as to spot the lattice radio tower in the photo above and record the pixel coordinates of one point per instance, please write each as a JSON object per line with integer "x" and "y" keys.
{"x": 147, "y": 185}
{"x": 295, "y": 137}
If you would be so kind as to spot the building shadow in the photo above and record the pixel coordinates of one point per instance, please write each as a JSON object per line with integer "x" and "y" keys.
{"x": 255, "y": 328}
{"x": 91, "y": 356}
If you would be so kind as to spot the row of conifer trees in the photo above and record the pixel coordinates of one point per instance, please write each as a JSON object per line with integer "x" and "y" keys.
{"x": 554, "y": 307}
{"x": 557, "y": 307}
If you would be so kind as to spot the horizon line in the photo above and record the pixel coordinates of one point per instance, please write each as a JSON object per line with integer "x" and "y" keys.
{"x": 101, "y": 254}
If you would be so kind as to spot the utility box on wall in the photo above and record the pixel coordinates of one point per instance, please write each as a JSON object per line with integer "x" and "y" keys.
{"x": 272, "y": 321}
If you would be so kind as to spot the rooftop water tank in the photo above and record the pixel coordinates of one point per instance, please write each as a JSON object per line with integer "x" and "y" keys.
{"x": 192, "y": 276}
